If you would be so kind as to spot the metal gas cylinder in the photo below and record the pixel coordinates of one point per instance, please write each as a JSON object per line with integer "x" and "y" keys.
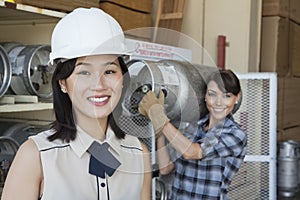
{"x": 20, "y": 131}
{"x": 183, "y": 86}
{"x": 288, "y": 168}
{"x": 182, "y": 83}
{"x": 5, "y": 71}
{"x": 31, "y": 74}
{"x": 12, "y": 135}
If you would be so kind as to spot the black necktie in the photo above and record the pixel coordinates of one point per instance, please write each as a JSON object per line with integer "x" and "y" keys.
{"x": 102, "y": 161}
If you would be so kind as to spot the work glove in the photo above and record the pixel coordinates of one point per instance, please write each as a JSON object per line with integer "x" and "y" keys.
{"x": 153, "y": 108}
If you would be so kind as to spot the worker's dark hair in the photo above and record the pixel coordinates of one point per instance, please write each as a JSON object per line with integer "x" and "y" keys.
{"x": 226, "y": 80}
{"x": 64, "y": 124}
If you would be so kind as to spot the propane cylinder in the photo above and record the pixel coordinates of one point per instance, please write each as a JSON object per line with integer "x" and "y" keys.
{"x": 288, "y": 168}
{"x": 183, "y": 86}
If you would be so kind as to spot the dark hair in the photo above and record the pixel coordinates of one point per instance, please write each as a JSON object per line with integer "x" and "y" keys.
{"x": 226, "y": 80}
{"x": 64, "y": 124}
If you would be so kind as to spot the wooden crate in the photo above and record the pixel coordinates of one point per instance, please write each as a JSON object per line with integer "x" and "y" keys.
{"x": 280, "y": 97}
{"x": 292, "y": 133}
{"x": 274, "y": 45}
{"x": 295, "y": 10}
{"x": 135, "y": 16}
{"x": 127, "y": 17}
{"x": 60, "y": 5}
{"x": 143, "y": 6}
{"x": 276, "y": 8}
{"x": 288, "y": 110}
{"x": 294, "y": 49}
{"x": 283, "y": 8}
{"x": 169, "y": 15}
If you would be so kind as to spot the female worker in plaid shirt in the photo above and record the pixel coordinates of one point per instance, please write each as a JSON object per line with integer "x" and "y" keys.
{"x": 212, "y": 156}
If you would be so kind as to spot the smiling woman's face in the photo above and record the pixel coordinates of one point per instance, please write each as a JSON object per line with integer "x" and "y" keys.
{"x": 219, "y": 103}
{"x": 95, "y": 86}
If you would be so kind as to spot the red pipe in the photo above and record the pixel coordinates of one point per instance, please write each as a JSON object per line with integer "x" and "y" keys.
{"x": 221, "y": 51}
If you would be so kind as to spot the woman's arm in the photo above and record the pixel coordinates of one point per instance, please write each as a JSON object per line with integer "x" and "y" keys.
{"x": 164, "y": 161}
{"x": 25, "y": 174}
{"x": 153, "y": 108}
{"x": 188, "y": 149}
{"x": 146, "y": 190}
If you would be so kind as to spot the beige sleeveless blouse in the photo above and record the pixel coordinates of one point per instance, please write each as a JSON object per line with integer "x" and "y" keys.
{"x": 66, "y": 168}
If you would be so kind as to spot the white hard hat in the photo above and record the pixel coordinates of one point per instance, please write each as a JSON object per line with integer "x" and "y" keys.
{"x": 84, "y": 32}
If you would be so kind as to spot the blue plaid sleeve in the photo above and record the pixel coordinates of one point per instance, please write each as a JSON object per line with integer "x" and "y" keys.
{"x": 230, "y": 144}
{"x": 230, "y": 141}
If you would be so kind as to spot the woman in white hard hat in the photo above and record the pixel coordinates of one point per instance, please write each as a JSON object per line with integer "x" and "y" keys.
{"x": 85, "y": 155}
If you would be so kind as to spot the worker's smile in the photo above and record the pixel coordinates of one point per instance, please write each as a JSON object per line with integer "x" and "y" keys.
{"x": 219, "y": 109}
{"x": 99, "y": 99}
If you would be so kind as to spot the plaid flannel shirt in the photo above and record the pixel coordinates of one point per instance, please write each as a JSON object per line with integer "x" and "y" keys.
{"x": 224, "y": 148}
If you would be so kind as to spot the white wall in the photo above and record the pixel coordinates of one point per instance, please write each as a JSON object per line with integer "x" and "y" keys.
{"x": 238, "y": 20}
{"x": 193, "y": 19}
{"x": 192, "y": 25}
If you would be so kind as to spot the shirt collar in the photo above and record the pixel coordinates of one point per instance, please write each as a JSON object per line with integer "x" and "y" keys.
{"x": 83, "y": 141}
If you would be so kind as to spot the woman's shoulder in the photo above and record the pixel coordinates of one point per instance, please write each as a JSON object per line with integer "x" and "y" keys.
{"x": 235, "y": 128}
{"x": 132, "y": 141}
{"x": 28, "y": 149}
{"x": 42, "y": 142}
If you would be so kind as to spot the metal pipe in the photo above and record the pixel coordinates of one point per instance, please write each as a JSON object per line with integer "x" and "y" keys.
{"x": 221, "y": 51}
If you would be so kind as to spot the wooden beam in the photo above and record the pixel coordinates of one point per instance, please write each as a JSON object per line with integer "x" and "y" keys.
{"x": 166, "y": 16}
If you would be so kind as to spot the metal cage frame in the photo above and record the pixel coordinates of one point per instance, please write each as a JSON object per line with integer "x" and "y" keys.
{"x": 260, "y": 160}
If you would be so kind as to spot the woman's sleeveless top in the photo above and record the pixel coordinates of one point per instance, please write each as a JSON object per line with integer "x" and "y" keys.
{"x": 66, "y": 168}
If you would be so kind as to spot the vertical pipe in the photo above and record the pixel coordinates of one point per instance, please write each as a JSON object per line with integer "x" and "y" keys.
{"x": 153, "y": 160}
{"x": 221, "y": 51}
{"x": 272, "y": 134}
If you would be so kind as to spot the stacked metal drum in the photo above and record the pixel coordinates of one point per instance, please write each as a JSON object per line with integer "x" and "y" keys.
{"x": 12, "y": 135}
{"x": 5, "y": 71}
{"x": 24, "y": 69}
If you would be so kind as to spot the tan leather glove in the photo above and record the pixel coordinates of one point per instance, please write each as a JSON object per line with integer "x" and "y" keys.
{"x": 153, "y": 108}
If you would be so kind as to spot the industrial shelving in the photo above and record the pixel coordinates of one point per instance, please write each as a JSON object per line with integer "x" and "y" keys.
{"x": 13, "y": 15}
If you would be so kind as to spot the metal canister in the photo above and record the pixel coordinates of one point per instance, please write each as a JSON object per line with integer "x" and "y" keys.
{"x": 12, "y": 135}
{"x": 182, "y": 84}
{"x": 287, "y": 172}
{"x": 5, "y": 71}
{"x": 31, "y": 74}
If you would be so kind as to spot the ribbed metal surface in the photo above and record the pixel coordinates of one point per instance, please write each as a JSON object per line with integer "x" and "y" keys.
{"x": 31, "y": 74}
{"x": 12, "y": 135}
{"x": 5, "y": 71}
